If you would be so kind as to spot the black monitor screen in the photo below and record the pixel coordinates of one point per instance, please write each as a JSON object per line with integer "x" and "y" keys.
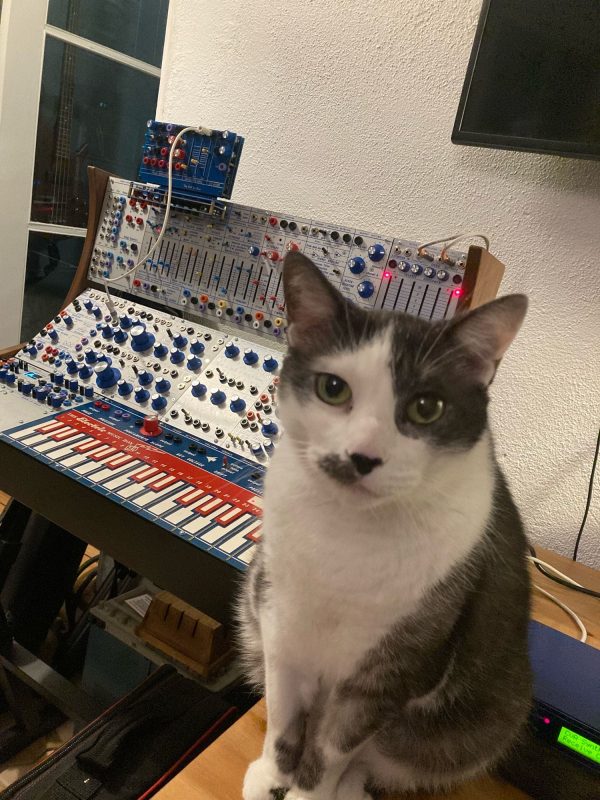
{"x": 533, "y": 81}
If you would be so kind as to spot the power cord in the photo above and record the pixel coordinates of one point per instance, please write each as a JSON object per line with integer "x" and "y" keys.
{"x": 448, "y": 241}
{"x": 589, "y": 498}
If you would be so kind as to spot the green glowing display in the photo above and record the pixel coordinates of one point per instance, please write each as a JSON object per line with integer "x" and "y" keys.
{"x": 580, "y": 744}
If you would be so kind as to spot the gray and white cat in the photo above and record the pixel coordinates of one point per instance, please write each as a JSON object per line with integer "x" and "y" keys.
{"x": 386, "y": 612}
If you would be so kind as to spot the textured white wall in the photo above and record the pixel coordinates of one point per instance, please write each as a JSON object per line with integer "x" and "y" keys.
{"x": 347, "y": 109}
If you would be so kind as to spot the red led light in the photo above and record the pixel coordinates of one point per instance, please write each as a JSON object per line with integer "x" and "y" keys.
{"x": 457, "y": 292}
{"x": 387, "y": 274}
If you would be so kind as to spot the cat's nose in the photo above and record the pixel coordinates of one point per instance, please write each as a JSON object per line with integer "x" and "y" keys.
{"x": 364, "y": 464}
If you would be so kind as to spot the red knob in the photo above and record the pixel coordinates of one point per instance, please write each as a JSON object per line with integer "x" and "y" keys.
{"x": 273, "y": 255}
{"x": 151, "y": 427}
{"x": 140, "y": 221}
{"x": 292, "y": 247}
{"x": 137, "y": 282}
{"x": 133, "y": 201}
{"x": 162, "y": 163}
{"x": 152, "y": 162}
{"x": 146, "y": 160}
{"x": 129, "y": 218}
{"x": 273, "y": 220}
{"x": 164, "y": 151}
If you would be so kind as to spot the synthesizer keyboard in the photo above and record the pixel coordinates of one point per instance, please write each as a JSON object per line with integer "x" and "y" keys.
{"x": 190, "y": 488}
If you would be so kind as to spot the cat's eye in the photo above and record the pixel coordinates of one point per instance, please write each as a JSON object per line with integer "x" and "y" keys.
{"x": 425, "y": 409}
{"x": 332, "y": 389}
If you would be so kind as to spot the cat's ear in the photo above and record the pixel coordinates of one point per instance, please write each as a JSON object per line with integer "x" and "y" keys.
{"x": 488, "y": 331}
{"x": 312, "y": 303}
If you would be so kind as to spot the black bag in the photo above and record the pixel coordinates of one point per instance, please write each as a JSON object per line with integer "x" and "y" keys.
{"x": 134, "y": 747}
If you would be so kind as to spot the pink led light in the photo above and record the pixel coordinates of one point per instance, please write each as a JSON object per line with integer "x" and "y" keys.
{"x": 387, "y": 274}
{"x": 457, "y": 292}
{"x": 546, "y": 720}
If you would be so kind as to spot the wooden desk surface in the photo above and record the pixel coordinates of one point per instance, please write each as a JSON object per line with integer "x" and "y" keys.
{"x": 218, "y": 772}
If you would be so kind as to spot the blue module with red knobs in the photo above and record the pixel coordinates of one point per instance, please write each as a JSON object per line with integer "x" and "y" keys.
{"x": 205, "y": 161}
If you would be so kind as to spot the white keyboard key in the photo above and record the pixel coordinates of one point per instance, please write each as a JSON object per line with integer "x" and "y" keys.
{"x": 60, "y": 436}
{"x": 98, "y": 477}
{"x": 247, "y": 555}
{"x": 179, "y": 516}
{"x": 137, "y": 486}
{"x": 47, "y": 447}
{"x": 37, "y": 430}
{"x": 80, "y": 458}
{"x": 201, "y": 523}
{"x": 151, "y": 496}
{"x": 235, "y": 542}
{"x": 124, "y": 478}
{"x": 95, "y": 460}
{"x": 67, "y": 450}
{"x": 166, "y": 505}
{"x": 253, "y": 531}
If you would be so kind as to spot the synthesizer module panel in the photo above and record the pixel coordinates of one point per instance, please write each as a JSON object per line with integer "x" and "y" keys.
{"x": 229, "y": 268}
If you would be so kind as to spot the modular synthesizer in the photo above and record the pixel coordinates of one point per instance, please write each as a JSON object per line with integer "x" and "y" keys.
{"x": 163, "y": 396}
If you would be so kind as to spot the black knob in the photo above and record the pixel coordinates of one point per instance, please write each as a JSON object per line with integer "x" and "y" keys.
{"x": 283, "y": 223}
{"x": 293, "y": 226}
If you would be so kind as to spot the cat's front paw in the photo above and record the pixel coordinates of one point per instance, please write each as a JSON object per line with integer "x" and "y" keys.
{"x": 263, "y": 780}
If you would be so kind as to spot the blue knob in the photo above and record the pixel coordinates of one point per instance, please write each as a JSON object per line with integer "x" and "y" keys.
{"x": 124, "y": 388}
{"x": 231, "y": 350}
{"x": 257, "y": 449}
{"x": 72, "y": 366}
{"x": 160, "y": 350}
{"x": 270, "y": 364}
{"x": 198, "y": 389}
{"x": 144, "y": 377}
{"x": 106, "y": 375}
{"x": 267, "y": 445}
{"x": 376, "y": 252}
{"x": 73, "y": 385}
{"x": 59, "y": 378}
{"x": 250, "y": 357}
{"x": 126, "y": 322}
{"x": 88, "y": 304}
{"x": 11, "y": 378}
{"x": 27, "y": 387}
{"x": 140, "y": 338}
{"x": 357, "y": 265}
{"x": 365, "y": 289}
{"x": 177, "y": 356}
{"x": 269, "y": 428}
{"x": 194, "y": 363}
{"x": 403, "y": 266}
{"x": 3, "y": 373}
{"x": 107, "y": 331}
{"x": 53, "y": 334}
{"x": 32, "y": 350}
{"x": 162, "y": 385}
{"x": 141, "y": 395}
{"x": 68, "y": 320}
{"x": 97, "y": 312}
{"x": 237, "y": 404}
{"x": 158, "y": 402}
{"x": 196, "y": 347}
{"x": 120, "y": 336}
{"x": 254, "y": 250}
{"x": 55, "y": 399}
{"x": 180, "y": 341}
{"x": 89, "y": 391}
{"x": 42, "y": 394}
{"x": 217, "y": 396}
{"x": 85, "y": 372}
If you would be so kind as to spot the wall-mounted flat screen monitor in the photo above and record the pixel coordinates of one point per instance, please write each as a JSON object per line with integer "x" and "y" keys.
{"x": 533, "y": 80}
